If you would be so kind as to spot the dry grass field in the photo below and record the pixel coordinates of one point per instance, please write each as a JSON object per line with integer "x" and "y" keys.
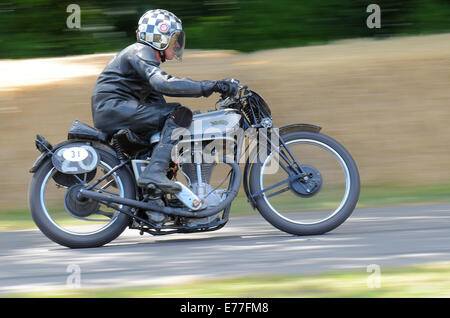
{"x": 387, "y": 101}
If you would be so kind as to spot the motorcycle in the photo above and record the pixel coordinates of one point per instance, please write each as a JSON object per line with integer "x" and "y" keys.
{"x": 84, "y": 191}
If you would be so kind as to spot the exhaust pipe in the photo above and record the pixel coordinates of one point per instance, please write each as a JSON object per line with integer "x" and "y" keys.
{"x": 236, "y": 177}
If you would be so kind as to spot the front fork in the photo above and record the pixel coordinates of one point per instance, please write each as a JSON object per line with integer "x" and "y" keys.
{"x": 291, "y": 165}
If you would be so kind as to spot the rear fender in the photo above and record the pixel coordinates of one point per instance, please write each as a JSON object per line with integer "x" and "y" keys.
{"x": 48, "y": 151}
{"x": 39, "y": 161}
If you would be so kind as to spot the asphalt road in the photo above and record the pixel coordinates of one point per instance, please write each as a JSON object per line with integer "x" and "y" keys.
{"x": 245, "y": 246}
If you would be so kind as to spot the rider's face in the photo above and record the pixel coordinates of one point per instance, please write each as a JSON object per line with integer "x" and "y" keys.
{"x": 176, "y": 46}
{"x": 169, "y": 54}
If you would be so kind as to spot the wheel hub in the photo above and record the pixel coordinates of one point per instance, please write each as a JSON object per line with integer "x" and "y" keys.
{"x": 309, "y": 185}
{"x": 79, "y": 207}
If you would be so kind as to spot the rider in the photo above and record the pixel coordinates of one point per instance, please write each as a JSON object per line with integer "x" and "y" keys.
{"x": 129, "y": 92}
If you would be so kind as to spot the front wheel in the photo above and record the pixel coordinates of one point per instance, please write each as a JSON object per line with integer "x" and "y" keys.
{"x": 308, "y": 187}
{"x": 75, "y": 223}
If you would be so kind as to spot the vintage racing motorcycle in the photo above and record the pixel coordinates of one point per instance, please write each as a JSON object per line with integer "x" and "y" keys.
{"x": 84, "y": 190}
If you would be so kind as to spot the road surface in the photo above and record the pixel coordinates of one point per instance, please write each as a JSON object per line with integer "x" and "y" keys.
{"x": 247, "y": 245}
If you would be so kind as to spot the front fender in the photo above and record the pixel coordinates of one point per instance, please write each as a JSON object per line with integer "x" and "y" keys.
{"x": 307, "y": 127}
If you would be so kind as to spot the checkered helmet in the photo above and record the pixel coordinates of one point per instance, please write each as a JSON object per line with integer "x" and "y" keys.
{"x": 161, "y": 29}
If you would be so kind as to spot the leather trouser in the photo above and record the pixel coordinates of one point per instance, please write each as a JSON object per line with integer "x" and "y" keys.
{"x": 110, "y": 114}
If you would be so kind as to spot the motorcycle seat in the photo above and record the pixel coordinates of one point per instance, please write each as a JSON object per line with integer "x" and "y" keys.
{"x": 80, "y": 130}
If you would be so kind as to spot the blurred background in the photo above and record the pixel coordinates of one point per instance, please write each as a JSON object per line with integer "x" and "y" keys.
{"x": 382, "y": 92}
{"x": 32, "y": 28}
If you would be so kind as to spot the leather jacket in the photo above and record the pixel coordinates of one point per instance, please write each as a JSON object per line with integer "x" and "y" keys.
{"x": 134, "y": 74}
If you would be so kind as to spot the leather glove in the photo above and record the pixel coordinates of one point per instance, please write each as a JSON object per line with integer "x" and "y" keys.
{"x": 225, "y": 87}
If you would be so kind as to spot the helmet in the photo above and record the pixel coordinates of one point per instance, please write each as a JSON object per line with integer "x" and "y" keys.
{"x": 161, "y": 29}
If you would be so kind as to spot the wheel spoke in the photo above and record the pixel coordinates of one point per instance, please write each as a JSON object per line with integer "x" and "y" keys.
{"x": 110, "y": 182}
{"x": 277, "y": 192}
{"x": 103, "y": 190}
{"x": 291, "y": 178}
{"x": 78, "y": 178}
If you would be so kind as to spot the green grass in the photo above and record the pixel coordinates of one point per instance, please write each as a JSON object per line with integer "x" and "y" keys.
{"x": 371, "y": 196}
{"x": 392, "y": 195}
{"x": 427, "y": 280}
{"x": 374, "y": 196}
{"x": 22, "y": 220}
{"x": 15, "y": 220}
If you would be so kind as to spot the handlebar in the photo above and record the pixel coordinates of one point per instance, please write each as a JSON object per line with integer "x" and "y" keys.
{"x": 224, "y": 103}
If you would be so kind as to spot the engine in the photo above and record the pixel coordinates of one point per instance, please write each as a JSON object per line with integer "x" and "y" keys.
{"x": 212, "y": 134}
{"x": 199, "y": 177}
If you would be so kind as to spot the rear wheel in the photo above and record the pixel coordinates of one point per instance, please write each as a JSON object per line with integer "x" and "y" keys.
{"x": 69, "y": 221}
{"x": 319, "y": 201}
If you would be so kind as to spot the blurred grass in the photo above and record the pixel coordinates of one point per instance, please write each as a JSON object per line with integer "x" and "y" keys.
{"x": 370, "y": 197}
{"x": 245, "y": 25}
{"x": 424, "y": 280}
{"x": 374, "y": 196}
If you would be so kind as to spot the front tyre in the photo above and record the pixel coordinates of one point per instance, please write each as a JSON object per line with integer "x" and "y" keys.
{"x": 79, "y": 224}
{"x": 315, "y": 204}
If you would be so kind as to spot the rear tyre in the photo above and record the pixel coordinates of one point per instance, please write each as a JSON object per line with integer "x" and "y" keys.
{"x": 49, "y": 221}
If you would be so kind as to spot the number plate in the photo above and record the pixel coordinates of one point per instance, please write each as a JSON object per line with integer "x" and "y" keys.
{"x": 75, "y": 158}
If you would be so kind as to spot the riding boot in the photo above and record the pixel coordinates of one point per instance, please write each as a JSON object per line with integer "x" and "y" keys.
{"x": 156, "y": 172}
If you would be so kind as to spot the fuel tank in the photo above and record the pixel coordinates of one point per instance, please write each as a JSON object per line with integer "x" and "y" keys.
{"x": 212, "y": 136}
{"x": 210, "y": 125}
{"x": 215, "y": 124}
